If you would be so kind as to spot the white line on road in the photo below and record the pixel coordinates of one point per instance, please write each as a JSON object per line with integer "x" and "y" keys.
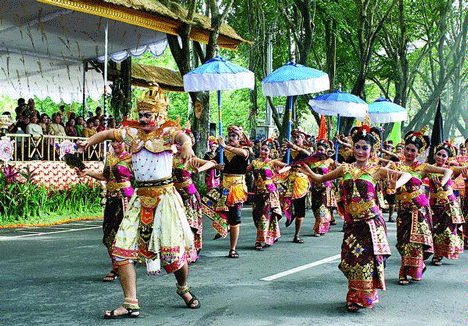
{"x": 300, "y": 268}
{"x": 47, "y": 233}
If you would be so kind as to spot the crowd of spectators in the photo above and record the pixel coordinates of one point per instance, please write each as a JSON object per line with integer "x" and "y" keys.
{"x": 30, "y": 121}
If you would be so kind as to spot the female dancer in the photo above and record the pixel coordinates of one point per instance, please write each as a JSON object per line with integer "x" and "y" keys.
{"x": 266, "y": 208}
{"x": 117, "y": 174}
{"x": 182, "y": 171}
{"x": 212, "y": 176}
{"x": 321, "y": 193}
{"x": 447, "y": 217}
{"x": 365, "y": 248}
{"x": 414, "y": 221}
{"x": 297, "y": 184}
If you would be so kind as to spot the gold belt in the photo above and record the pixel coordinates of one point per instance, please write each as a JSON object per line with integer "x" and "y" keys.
{"x": 441, "y": 194}
{"x": 186, "y": 183}
{"x": 154, "y": 183}
{"x": 154, "y": 191}
{"x": 407, "y": 196}
{"x": 233, "y": 179}
{"x": 115, "y": 186}
{"x": 357, "y": 208}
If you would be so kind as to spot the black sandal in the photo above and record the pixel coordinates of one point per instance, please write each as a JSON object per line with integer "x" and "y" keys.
{"x": 183, "y": 290}
{"x": 233, "y": 254}
{"x": 131, "y": 313}
{"x": 403, "y": 281}
{"x": 352, "y": 307}
{"x": 111, "y": 276}
{"x": 258, "y": 246}
{"x": 297, "y": 240}
{"x": 436, "y": 261}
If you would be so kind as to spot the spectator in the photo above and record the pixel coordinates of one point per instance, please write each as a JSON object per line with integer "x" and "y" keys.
{"x": 97, "y": 124}
{"x": 31, "y": 108}
{"x": 61, "y": 111}
{"x": 33, "y": 128}
{"x": 70, "y": 129}
{"x": 19, "y": 109}
{"x": 89, "y": 130}
{"x": 98, "y": 112}
{"x": 44, "y": 122}
{"x": 80, "y": 125}
{"x": 56, "y": 128}
{"x": 111, "y": 123}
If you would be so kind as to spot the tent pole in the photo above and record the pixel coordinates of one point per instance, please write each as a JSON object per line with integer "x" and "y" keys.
{"x": 220, "y": 126}
{"x": 288, "y": 153}
{"x": 337, "y": 133}
{"x": 105, "y": 84}
{"x": 85, "y": 65}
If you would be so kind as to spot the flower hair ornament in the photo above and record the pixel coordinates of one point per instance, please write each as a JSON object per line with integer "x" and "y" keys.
{"x": 368, "y": 134}
{"x": 324, "y": 143}
{"x": 418, "y": 138}
{"x": 447, "y": 146}
{"x": 241, "y": 134}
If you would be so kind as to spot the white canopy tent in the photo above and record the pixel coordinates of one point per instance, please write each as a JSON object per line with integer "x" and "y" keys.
{"x": 43, "y": 47}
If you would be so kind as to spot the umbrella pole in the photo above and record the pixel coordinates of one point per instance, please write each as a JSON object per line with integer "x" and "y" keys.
{"x": 288, "y": 153}
{"x": 220, "y": 126}
{"x": 337, "y": 133}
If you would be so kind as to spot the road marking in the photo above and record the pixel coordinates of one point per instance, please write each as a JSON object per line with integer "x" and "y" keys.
{"x": 47, "y": 233}
{"x": 300, "y": 268}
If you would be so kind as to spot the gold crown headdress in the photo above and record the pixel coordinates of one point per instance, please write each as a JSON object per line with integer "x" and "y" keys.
{"x": 153, "y": 100}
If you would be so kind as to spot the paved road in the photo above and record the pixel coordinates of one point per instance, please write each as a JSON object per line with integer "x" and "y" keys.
{"x": 52, "y": 276}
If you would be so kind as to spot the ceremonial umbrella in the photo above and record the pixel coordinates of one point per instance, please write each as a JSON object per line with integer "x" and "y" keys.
{"x": 294, "y": 79}
{"x": 340, "y": 104}
{"x": 384, "y": 111}
{"x": 218, "y": 74}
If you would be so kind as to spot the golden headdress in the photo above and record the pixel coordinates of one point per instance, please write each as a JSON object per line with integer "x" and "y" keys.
{"x": 418, "y": 138}
{"x": 154, "y": 100}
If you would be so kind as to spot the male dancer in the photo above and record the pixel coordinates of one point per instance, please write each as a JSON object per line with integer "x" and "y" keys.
{"x": 157, "y": 202}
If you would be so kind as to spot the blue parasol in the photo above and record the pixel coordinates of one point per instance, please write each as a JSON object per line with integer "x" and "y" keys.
{"x": 384, "y": 111}
{"x": 340, "y": 104}
{"x": 218, "y": 74}
{"x": 294, "y": 79}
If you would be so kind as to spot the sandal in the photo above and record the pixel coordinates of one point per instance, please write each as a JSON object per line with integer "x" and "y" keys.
{"x": 185, "y": 289}
{"x": 436, "y": 261}
{"x": 131, "y": 313}
{"x": 233, "y": 254}
{"x": 297, "y": 240}
{"x": 352, "y": 307}
{"x": 258, "y": 246}
{"x": 317, "y": 235}
{"x": 111, "y": 276}
{"x": 403, "y": 281}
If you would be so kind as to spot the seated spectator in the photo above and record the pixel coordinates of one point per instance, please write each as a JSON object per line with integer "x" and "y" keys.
{"x": 33, "y": 128}
{"x": 89, "y": 130}
{"x": 111, "y": 123}
{"x": 56, "y": 128}
{"x": 31, "y": 108}
{"x": 70, "y": 129}
{"x": 98, "y": 113}
{"x": 44, "y": 122}
{"x": 80, "y": 125}
{"x": 98, "y": 125}
{"x": 19, "y": 109}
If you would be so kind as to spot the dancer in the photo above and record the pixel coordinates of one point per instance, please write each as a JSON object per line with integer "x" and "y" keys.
{"x": 266, "y": 208}
{"x": 414, "y": 221}
{"x": 117, "y": 173}
{"x": 182, "y": 170}
{"x": 212, "y": 176}
{"x": 447, "y": 217}
{"x": 297, "y": 184}
{"x": 225, "y": 202}
{"x": 365, "y": 248}
{"x": 321, "y": 193}
{"x": 155, "y": 220}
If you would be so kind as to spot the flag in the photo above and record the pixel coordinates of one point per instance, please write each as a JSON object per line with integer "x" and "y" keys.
{"x": 322, "y": 134}
{"x": 395, "y": 133}
{"x": 437, "y": 135}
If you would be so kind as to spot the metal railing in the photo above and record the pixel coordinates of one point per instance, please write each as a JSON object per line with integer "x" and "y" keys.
{"x": 43, "y": 147}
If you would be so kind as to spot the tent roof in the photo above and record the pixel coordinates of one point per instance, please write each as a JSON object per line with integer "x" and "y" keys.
{"x": 43, "y": 43}
{"x": 147, "y": 75}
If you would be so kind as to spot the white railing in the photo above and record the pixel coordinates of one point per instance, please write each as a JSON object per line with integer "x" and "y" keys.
{"x": 38, "y": 147}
